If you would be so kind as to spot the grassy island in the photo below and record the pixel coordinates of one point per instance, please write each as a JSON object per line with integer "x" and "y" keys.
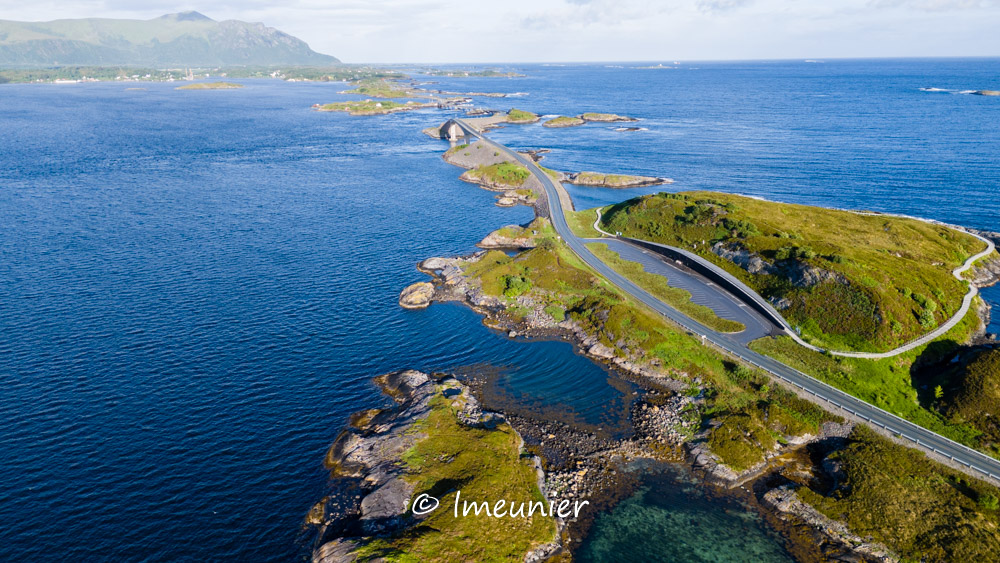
{"x": 210, "y": 86}
{"x": 504, "y": 174}
{"x": 521, "y": 116}
{"x": 378, "y": 89}
{"x": 847, "y": 280}
{"x": 369, "y": 107}
{"x": 563, "y": 121}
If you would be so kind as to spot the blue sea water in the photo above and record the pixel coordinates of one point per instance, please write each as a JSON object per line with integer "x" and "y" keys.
{"x": 196, "y": 287}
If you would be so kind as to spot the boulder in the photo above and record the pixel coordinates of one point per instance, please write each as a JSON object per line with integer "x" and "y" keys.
{"x": 384, "y": 507}
{"x": 417, "y": 296}
{"x": 336, "y": 551}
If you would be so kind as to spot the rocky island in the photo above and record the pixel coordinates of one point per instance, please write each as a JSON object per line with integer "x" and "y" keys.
{"x": 596, "y": 179}
{"x": 563, "y": 121}
{"x": 606, "y": 117}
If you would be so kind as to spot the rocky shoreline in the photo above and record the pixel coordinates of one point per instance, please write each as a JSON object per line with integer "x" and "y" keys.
{"x": 614, "y": 181}
{"x": 582, "y": 463}
{"x": 374, "y": 494}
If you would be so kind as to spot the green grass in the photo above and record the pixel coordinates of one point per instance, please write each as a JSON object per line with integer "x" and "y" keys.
{"x": 485, "y": 464}
{"x": 582, "y": 223}
{"x": 520, "y": 116}
{"x": 972, "y": 396}
{"x": 366, "y": 107}
{"x": 658, "y": 286}
{"x": 558, "y": 279}
{"x": 563, "y": 121}
{"x": 378, "y": 89}
{"x": 922, "y": 510}
{"x": 504, "y": 173}
{"x": 888, "y": 263}
{"x": 887, "y": 383}
{"x": 210, "y": 86}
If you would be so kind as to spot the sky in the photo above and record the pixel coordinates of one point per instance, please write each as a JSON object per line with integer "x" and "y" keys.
{"x": 471, "y": 31}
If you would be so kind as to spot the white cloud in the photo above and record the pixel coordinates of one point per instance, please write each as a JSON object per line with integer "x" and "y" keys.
{"x": 588, "y": 30}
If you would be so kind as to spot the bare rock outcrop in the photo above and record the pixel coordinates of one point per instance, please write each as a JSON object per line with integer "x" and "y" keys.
{"x": 416, "y": 296}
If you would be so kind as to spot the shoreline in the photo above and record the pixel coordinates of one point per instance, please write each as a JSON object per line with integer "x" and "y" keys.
{"x": 653, "y": 438}
{"x": 585, "y": 463}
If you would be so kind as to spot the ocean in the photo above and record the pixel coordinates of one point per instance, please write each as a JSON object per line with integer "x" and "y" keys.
{"x": 196, "y": 287}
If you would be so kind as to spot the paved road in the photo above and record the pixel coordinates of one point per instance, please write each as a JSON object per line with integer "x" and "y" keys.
{"x": 975, "y": 463}
{"x": 702, "y": 290}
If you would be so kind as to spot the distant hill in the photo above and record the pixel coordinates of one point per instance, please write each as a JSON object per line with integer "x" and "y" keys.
{"x": 188, "y": 39}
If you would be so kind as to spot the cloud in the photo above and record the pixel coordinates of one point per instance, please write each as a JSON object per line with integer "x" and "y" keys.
{"x": 935, "y": 5}
{"x": 720, "y": 5}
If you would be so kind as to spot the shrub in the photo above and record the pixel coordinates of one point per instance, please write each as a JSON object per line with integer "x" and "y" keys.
{"x": 988, "y": 501}
{"x": 515, "y": 286}
{"x": 740, "y": 228}
{"x": 556, "y": 312}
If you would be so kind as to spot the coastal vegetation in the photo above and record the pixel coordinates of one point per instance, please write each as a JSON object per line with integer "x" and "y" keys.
{"x": 378, "y": 88}
{"x": 921, "y": 509}
{"x": 368, "y": 107}
{"x": 563, "y": 121}
{"x": 521, "y": 116}
{"x": 503, "y": 174}
{"x": 743, "y": 417}
{"x": 972, "y": 396}
{"x": 896, "y": 384}
{"x": 210, "y": 86}
{"x": 659, "y": 286}
{"x": 849, "y": 280}
{"x": 484, "y": 463}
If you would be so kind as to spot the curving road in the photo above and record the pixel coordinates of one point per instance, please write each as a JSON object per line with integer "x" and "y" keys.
{"x": 971, "y": 461}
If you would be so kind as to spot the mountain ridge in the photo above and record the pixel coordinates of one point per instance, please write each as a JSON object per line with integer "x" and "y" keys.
{"x": 180, "y": 39}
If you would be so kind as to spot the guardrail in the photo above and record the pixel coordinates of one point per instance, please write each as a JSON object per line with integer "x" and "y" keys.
{"x": 844, "y": 407}
{"x": 828, "y": 388}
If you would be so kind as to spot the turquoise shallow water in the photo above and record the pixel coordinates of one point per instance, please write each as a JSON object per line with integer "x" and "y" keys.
{"x": 670, "y": 518}
{"x": 196, "y": 287}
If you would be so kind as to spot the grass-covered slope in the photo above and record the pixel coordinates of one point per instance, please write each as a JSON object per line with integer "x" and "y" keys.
{"x": 977, "y": 398}
{"x": 920, "y": 509}
{"x": 846, "y": 280}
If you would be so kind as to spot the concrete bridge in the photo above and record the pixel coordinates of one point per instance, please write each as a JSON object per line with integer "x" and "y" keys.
{"x": 452, "y": 131}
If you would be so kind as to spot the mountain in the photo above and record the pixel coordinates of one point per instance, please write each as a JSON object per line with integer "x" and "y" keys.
{"x": 187, "y": 39}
